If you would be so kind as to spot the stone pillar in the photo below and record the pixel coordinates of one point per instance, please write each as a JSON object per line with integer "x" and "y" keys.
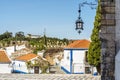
{"x": 107, "y": 56}
{"x": 107, "y": 36}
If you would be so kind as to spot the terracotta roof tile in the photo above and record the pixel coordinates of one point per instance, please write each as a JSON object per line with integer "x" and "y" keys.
{"x": 79, "y": 44}
{"x": 3, "y": 57}
{"x": 26, "y": 57}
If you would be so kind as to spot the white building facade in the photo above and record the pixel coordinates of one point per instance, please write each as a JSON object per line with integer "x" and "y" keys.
{"x": 5, "y": 68}
{"x": 19, "y": 65}
{"x": 11, "y": 49}
{"x": 74, "y": 60}
{"x": 4, "y": 62}
{"x": 117, "y": 29}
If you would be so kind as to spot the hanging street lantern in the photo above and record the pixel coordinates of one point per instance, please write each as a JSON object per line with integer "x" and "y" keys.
{"x": 79, "y": 22}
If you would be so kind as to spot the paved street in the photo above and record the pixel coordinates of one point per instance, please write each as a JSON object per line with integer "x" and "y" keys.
{"x": 48, "y": 77}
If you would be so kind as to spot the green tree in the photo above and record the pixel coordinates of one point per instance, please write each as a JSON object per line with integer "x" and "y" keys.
{"x": 6, "y": 35}
{"x": 95, "y": 45}
{"x": 20, "y": 36}
{"x": 66, "y": 40}
{"x": 45, "y": 40}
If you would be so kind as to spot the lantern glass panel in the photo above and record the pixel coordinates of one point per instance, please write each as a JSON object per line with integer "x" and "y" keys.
{"x": 79, "y": 25}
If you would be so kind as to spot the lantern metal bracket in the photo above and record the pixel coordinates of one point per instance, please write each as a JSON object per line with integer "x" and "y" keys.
{"x": 79, "y": 22}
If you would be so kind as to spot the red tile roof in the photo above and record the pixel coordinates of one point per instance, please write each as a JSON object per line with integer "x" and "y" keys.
{"x": 79, "y": 44}
{"x": 3, "y": 57}
{"x": 26, "y": 57}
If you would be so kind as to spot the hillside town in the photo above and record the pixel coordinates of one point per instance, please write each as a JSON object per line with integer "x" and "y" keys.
{"x": 37, "y": 40}
{"x": 55, "y": 58}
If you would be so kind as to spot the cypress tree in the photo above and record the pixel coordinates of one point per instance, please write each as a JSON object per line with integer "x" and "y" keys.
{"x": 95, "y": 45}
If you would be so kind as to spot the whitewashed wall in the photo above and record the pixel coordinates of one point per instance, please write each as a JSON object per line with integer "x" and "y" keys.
{"x": 20, "y": 47}
{"x": 78, "y": 68}
{"x": 66, "y": 60}
{"x": 78, "y": 56}
{"x": 117, "y": 58}
{"x": 117, "y": 66}
{"x": 78, "y": 61}
{"x": 20, "y": 66}
{"x": 5, "y": 68}
{"x": 11, "y": 50}
{"x": 40, "y": 53}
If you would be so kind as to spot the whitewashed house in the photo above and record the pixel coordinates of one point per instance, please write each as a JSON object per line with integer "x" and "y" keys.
{"x": 20, "y": 53}
{"x": 4, "y": 62}
{"x": 74, "y": 60}
{"x": 33, "y": 36}
{"x": 40, "y": 53}
{"x": 20, "y": 66}
{"x": 11, "y": 49}
{"x": 19, "y": 47}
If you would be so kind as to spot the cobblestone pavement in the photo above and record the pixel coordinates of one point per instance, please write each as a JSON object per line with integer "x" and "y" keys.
{"x": 48, "y": 77}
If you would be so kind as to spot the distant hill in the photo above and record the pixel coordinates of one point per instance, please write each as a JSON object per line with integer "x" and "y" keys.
{"x": 35, "y": 44}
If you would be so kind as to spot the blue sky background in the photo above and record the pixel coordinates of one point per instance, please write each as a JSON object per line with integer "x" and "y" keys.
{"x": 56, "y": 16}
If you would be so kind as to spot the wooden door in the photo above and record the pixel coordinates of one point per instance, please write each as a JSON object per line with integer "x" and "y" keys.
{"x": 36, "y": 69}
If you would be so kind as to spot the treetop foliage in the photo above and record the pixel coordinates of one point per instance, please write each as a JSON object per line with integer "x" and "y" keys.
{"x": 95, "y": 45}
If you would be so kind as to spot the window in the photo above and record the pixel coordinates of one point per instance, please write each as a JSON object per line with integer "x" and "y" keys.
{"x": 86, "y": 60}
{"x": 68, "y": 55}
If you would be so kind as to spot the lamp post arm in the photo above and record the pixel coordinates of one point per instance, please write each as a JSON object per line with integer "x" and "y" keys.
{"x": 91, "y": 4}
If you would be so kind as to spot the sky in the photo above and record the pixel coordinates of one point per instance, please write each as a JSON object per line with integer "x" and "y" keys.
{"x": 54, "y": 17}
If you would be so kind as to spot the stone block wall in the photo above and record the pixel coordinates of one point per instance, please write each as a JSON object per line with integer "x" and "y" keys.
{"x": 107, "y": 36}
